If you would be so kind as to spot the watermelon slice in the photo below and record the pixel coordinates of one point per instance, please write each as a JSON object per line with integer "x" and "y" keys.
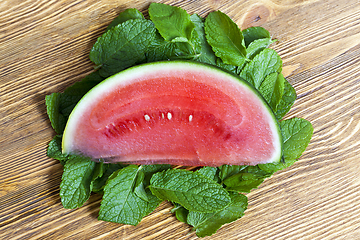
{"x": 174, "y": 112}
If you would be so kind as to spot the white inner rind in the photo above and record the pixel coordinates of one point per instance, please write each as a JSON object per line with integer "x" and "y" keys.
{"x": 143, "y": 72}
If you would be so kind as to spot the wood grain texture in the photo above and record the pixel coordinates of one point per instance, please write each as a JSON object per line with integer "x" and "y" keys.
{"x": 44, "y": 47}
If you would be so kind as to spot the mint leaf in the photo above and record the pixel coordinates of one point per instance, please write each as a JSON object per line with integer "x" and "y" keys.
{"x": 246, "y": 179}
{"x": 209, "y": 172}
{"x": 191, "y": 190}
{"x": 54, "y": 150}
{"x": 143, "y": 179}
{"x": 57, "y": 120}
{"x": 274, "y": 167}
{"x": 75, "y": 187}
{"x": 243, "y": 182}
{"x": 264, "y": 63}
{"x": 128, "y": 14}
{"x": 181, "y": 213}
{"x": 229, "y": 170}
{"x": 296, "y": 133}
{"x": 173, "y": 23}
{"x": 257, "y": 46}
{"x": 287, "y": 100}
{"x": 206, "y": 54}
{"x": 139, "y": 188}
{"x": 207, "y": 224}
{"x": 225, "y": 38}
{"x": 150, "y": 170}
{"x": 98, "y": 171}
{"x": 253, "y": 33}
{"x": 160, "y": 49}
{"x": 108, "y": 169}
{"x": 228, "y": 67}
{"x": 120, "y": 204}
{"x": 272, "y": 89}
{"x": 122, "y": 46}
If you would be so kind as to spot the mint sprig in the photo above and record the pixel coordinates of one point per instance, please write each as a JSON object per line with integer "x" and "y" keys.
{"x": 210, "y": 196}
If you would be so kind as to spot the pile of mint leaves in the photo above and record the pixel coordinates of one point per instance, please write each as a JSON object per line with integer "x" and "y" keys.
{"x": 207, "y": 197}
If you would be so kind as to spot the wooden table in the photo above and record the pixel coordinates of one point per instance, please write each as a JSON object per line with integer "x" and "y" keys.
{"x": 44, "y": 47}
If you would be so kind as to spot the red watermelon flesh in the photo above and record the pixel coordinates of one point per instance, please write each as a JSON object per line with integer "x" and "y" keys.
{"x": 179, "y": 113}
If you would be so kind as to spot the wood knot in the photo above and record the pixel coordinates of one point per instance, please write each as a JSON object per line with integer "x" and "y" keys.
{"x": 256, "y": 16}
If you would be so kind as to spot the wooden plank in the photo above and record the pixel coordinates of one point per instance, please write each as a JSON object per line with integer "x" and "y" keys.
{"x": 44, "y": 47}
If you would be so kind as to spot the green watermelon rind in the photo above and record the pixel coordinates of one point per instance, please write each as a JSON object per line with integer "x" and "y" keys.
{"x": 140, "y": 70}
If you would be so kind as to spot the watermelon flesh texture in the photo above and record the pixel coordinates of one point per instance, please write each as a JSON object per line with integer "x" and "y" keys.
{"x": 179, "y": 113}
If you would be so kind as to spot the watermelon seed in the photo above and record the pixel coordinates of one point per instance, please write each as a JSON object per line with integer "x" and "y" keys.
{"x": 147, "y": 117}
{"x": 190, "y": 118}
{"x": 169, "y": 116}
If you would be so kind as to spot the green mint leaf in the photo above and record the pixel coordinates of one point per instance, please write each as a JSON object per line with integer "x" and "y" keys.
{"x": 181, "y": 213}
{"x": 139, "y": 188}
{"x": 75, "y": 187}
{"x": 209, "y": 172}
{"x": 108, "y": 169}
{"x": 229, "y": 67}
{"x": 243, "y": 182}
{"x": 246, "y": 179}
{"x": 272, "y": 89}
{"x": 120, "y": 204}
{"x": 207, "y": 55}
{"x": 160, "y": 49}
{"x": 264, "y": 63}
{"x": 122, "y": 46}
{"x": 274, "y": 167}
{"x": 128, "y": 14}
{"x": 225, "y": 38}
{"x": 150, "y": 170}
{"x": 287, "y": 100}
{"x": 57, "y": 120}
{"x": 296, "y": 133}
{"x": 257, "y": 46}
{"x": 143, "y": 181}
{"x": 54, "y": 150}
{"x": 98, "y": 171}
{"x": 207, "y": 224}
{"x": 253, "y": 33}
{"x": 190, "y": 189}
{"x": 229, "y": 170}
{"x": 141, "y": 192}
{"x": 173, "y": 23}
